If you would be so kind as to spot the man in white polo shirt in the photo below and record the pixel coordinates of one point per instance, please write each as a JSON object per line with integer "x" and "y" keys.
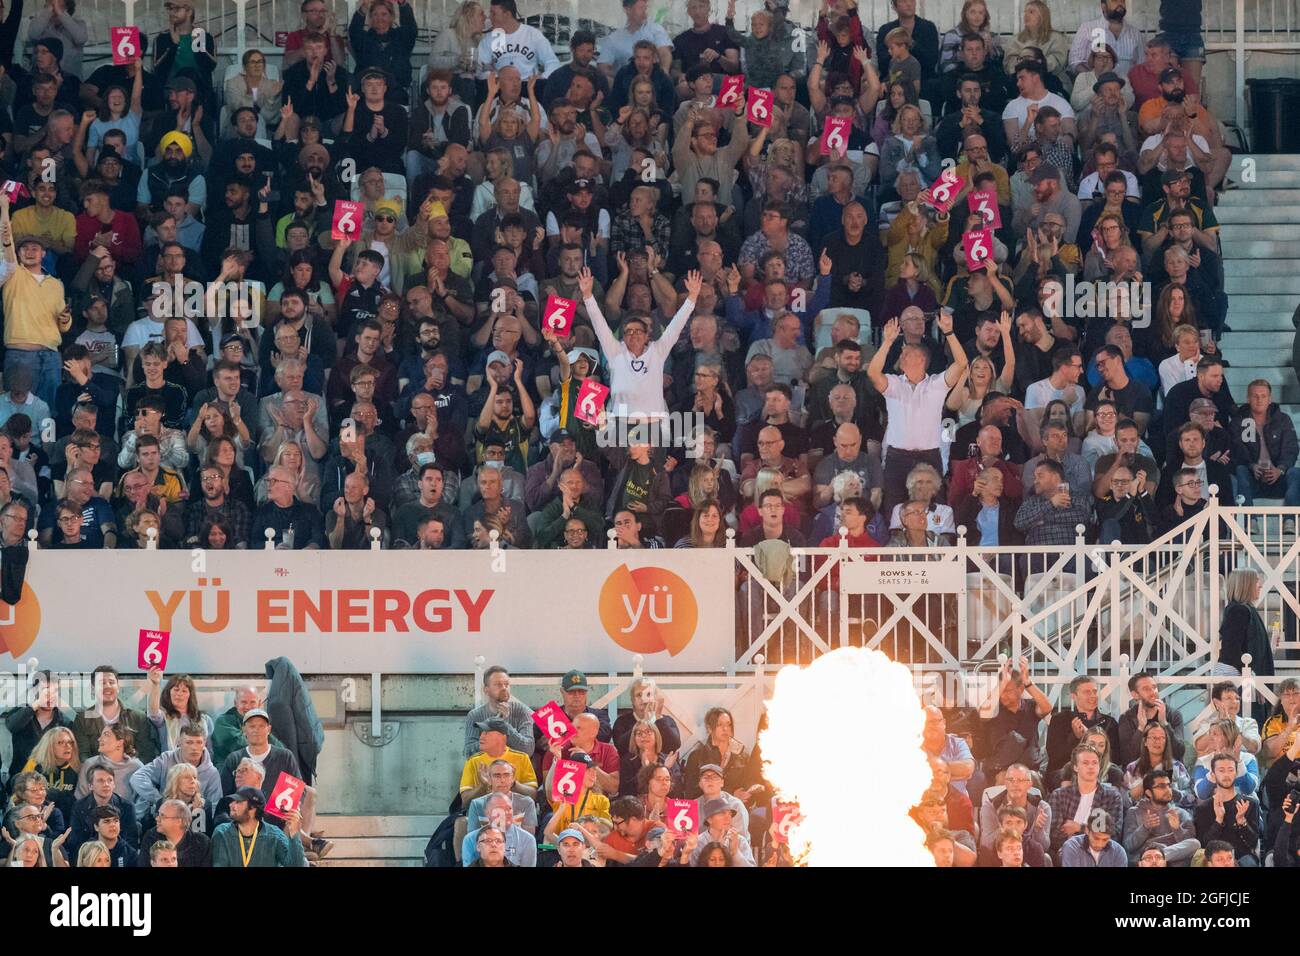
{"x": 915, "y": 405}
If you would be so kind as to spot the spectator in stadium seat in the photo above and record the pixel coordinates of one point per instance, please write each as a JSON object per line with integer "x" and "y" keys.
{"x": 718, "y": 826}
{"x": 267, "y": 845}
{"x": 591, "y": 803}
{"x": 101, "y": 794}
{"x": 174, "y": 706}
{"x": 1069, "y": 725}
{"x": 1228, "y": 815}
{"x": 644, "y": 749}
{"x": 116, "y": 751}
{"x": 228, "y": 728}
{"x": 950, "y": 748}
{"x": 490, "y": 843}
{"x": 1157, "y": 819}
{"x": 501, "y": 781}
{"x": 274, "y": 759}
{"x": 647, "y": 706}
{"x": 172, "y": 829}
{"x": 1225, "y": 704}
{"x": 1224, "y": 738}
{"x": 1018, "y": 792}
{"x": 606, "y": 762}
{"x": 1190, "y": 455}
{"x": 107, "y": 822}
{"x": 1011, "y": 735}
{"x": 720, "y": 748}
{"x": 1147, "y": 707}
{"x": 520, "y": 846}
{"x": 1053, "y": 512}
{"x": 932, "y": 816}
{"x": 499, "y": 702}
{"x": 297, "y": 526}
{"x": 55, "y": 758}
{"x": 1188, "y": 500}
{"x": 1075, "y": 806}
{"x": 475, "y": 779}
{"x": 1158, "y": 753}
{"x": 147, "y": 782}
{"x": 1269, "y": 466}
{"x": 915, "y": 404}
{"x": 1029, "y": 851}
{"x": 1096, "y": 847}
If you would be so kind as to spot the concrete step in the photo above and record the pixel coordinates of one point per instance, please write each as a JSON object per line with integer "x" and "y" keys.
{"x": 1244, "y": 251}
{"x": 340, "y": 825}
{"x": 1286, "y": 389}
{"x": 1239, "y": 339}
{"x": 1256, "y": 301}
{"x": 1246, "y": 275}
{"x": 331, "y": 861}
{"x": 1272, "y": 322}
{"x": 1256, "y": 358}
{"x": 1277, "y": 230}
{"x": 1267, "y": 196}
{"x": 1229, "y": 214}
{"x": 379, "y": 848}
{"x": 1265, "y": 162}
{"x": 1266, "y": 178}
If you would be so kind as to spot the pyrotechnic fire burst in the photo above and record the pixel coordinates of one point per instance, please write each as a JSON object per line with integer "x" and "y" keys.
{"x": 844, "y": 740}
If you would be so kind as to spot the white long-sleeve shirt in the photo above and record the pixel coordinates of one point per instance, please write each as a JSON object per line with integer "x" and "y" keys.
{"x": 527, "y": 49}
{"x": 636, "y": 382}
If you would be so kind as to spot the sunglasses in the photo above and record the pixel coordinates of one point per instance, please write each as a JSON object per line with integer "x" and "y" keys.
{"x": 385, "y": 219}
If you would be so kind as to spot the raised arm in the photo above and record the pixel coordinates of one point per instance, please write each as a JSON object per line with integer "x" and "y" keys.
{"x": 608, "y": 344}
{"x": 876, "y": 368}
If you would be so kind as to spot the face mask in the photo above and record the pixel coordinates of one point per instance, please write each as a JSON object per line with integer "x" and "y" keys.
{"x": 498, "y": 465}
{"x": 424, "y": 458}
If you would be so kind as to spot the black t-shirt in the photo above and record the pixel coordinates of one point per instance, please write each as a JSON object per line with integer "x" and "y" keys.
{"x": 688, "y": 45}
{"x": 359, "y": 304}
{"x": 1132, "y": 398}
{"x": 867, "y": 259}
{"x": 173, "y": 397}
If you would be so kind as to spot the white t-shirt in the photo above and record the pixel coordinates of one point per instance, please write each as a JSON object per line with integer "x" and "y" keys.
{"x": 142, "y": 331}
{"x": 1092, "y": 183}
{"x": 527, "y": 49}
{"x": 1085, "y": 808}
{"x": 616, "y": 48}
{"x": 1151, "y": 142}
{"x": 636, "y": 383}
{"x": 1041, "y": 392}
{"x": 1018, "y": 109}
{"x": 1174, "y": 371}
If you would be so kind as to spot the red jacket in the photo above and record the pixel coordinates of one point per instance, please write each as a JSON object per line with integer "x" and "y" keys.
{"x": 825, "y": 35}
{"x": 125, "y": 236}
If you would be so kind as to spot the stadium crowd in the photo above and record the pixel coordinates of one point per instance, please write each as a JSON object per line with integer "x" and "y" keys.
{"x": 192, "y": 358}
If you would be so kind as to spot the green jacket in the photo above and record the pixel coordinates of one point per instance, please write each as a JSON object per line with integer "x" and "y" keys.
{"x": 271, "y": 847}
{"x": 228, "y": 736}
{"x": 550, "y": 525}
{"x": 87, "y": 730}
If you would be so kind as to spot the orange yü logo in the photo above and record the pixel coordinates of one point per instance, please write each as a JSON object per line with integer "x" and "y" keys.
{"x": 648, "y": 610}
{"x": 20, "y": 623}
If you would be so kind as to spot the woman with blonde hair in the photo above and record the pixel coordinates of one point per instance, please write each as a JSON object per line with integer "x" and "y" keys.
{"x": 1241, "y": 627}
{"x": 897, "y": 95}
{"x": 30, "y": 789}
{"x": 782, "y": 154}
{"x": 456, "y": 49}
{"x": 1038, "y": 34}
{"x": 1225, "y": 738}
{"x": 974, "y": 19}
{"x": 916, "y": 230}
{"x": 750, "y": 517}
{"x": 644, "y": 748}
{"x": 916, "y": 285}
{"x": 484, "y": 525}
{"x": 290, "y": 455}
{"x": 183, "y": 784}
{"x": 175, "y": 706}
{"x": 55, "y": 758}
{"x": 94, "y": 854}
{"x": 978, "y": 379}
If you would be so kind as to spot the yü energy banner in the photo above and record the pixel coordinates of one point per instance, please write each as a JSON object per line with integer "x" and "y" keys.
{"x": 399, "y": 612}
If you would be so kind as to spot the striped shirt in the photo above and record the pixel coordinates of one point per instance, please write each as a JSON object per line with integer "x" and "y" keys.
{"x": 519, "y": 717}
{"x": 1129, "y": 46}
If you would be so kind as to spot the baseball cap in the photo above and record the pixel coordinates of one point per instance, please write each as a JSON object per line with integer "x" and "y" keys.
{"x": 560, "y": 434}
{"x": 250, "y": 795}
{"x": 230, "y": 338}
{"x": 53, "y": 44}
{"x": 256, "y": 712}
{"x": 581, "y": 757}
{"x": 498, "y": 357}
{"x": 574, "y": 680}
{"x": 716, "y": 805}
{"x": 180, "y": 83}
{"x": 496, "y": 725}
{"x": 581, "y": 352}
{"x": 374, "y": 72}
{"x": 1169, "y": 73}
{"x": 30, "y": 237}
{"x": 391, "y": 206}
{"x": 1172, "y": 176}
{"x": 578, "y": 185}
{"x": 1199, "y": 404}
{"x": 711, "y": 766}
{"x": 571, "y": 832}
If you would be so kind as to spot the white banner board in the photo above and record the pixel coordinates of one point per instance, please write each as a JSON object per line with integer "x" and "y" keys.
{"x": 395, "y": 612}
{"x": 903, "y": 577}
